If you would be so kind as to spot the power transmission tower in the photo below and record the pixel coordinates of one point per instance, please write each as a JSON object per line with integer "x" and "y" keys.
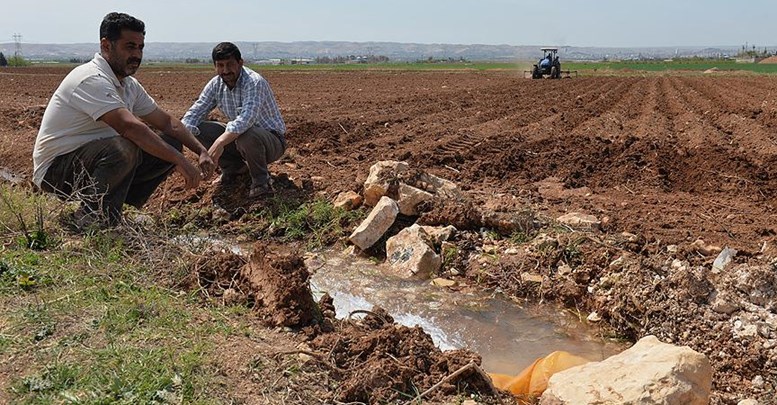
{"x": 17, "y": 39}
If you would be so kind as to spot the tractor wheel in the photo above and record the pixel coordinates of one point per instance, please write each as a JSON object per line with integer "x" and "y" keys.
{"x": 535, "y": 73}
{"x": 554, "y": 74}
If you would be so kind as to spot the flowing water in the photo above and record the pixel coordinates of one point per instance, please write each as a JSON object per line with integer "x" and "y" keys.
{"x": 508, "y": 336}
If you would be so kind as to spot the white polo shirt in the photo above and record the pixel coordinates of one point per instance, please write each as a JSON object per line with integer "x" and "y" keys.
{"x": 71, "y": 118}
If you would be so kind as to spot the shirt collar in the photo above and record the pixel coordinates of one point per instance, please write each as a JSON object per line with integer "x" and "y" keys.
{"x": 105, "y": 67}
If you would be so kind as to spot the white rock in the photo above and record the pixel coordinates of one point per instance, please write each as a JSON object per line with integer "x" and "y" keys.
{"x": 443, "y": 282}
{"x": 650, "y": 372}
{"x": 410, "y": 254}
{"x": 579, "y": 220}
{"x": 723, "y": 259}
{"x": 439, "y": 186}
{"x": 594, "y": 317}
{"x": 348, "y": 200}
{"x": 439, "y": 234}
{"x": 749, "y": 401}
{"x": 376, "y": 224}
{"x": 382, "y": 174}
{"x": 410, "y": 197}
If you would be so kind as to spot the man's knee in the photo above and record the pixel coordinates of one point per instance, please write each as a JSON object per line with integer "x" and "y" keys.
{"x": 126, "y": 153}
{"x": 210, "y": 131}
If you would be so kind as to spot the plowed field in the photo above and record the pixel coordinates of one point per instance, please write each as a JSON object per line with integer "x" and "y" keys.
{"x": 671, "y": 159}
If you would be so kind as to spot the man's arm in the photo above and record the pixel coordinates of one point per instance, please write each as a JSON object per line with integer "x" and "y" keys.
{"x": 130, "y": 127}
{"x": 170, "y": 126}
{"x": 205, "y": 103}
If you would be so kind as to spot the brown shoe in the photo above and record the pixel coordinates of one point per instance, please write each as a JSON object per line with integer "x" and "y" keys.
{"x": 260, "y": 191}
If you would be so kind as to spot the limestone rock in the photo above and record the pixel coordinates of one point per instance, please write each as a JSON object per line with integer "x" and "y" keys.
{"x": 382, "y": 175}
{"x": 579, "y": 220}
{"x": 650, "y": 372}
{"x": 438, "y": 186}
{"x": 376, "y": 224}
{"x": 348, "y": 200}
{"x": 410, "y": 197}
{"x": 723, "y": 259}
{"x": 410, "y": 254}
{"x": 443, "y": 282}
{"x": 439, "y": 234}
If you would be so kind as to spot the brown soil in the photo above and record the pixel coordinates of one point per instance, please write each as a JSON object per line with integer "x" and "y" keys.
{"x": 661, "y": 160}
{"x": 372, "y": 360}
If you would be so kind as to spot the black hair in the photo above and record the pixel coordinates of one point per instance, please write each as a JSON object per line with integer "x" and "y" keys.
{"x": 224, "y": 51}
{"x": 114, "y": 23}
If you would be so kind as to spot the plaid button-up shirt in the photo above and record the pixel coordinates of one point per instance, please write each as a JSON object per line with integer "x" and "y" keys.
{"x": 250, "y": 103}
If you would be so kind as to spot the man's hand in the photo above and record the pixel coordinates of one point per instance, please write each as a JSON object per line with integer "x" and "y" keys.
{"x": 215, "y": 151}
{"x": 190, "y": 174}
{"x": 223, "y": 140}
{"x": 207, "y": 165}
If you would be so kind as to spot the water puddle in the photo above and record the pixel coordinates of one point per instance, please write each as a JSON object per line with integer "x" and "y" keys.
{"x": 507, "y": 336}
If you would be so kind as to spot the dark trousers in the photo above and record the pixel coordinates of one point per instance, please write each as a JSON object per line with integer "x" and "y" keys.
{"x": 106, "y": 173}
{"x": 256, "y": 148}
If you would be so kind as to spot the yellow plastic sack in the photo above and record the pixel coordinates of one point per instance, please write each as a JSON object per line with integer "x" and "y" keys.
{"x": 533, "y": 380}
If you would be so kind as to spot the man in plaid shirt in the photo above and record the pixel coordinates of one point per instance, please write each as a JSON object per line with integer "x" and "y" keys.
{"x": 254, "y": 136}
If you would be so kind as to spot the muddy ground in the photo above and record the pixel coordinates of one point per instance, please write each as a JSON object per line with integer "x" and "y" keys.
{"x": 662, "y": 161}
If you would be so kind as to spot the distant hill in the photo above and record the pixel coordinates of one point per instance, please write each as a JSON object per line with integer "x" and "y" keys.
{"x": 252, "y": 51}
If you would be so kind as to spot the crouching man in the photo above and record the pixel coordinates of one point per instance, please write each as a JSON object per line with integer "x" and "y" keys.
{"x": 254, "y": 136}
{"x": 92, "y": 144}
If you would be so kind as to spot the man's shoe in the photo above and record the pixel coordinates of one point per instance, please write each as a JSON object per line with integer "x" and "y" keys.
{"x": 260, "y": 191}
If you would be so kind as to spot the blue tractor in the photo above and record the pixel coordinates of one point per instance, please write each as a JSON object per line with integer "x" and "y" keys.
{"x": 548, "y": 66}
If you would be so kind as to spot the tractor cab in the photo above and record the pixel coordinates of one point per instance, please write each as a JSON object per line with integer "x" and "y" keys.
{"x": 549, "y": 65}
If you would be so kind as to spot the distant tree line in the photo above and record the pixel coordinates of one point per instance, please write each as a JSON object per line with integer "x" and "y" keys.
{"x": 432, "y": 59}
{"x": 352, "y": 59}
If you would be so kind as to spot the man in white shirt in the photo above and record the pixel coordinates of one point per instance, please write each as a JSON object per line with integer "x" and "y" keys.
{"x": 92, "y": 144}
{"x": 255, "y": 134}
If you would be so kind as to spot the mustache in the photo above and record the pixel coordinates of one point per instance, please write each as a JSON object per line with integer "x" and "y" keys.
{"x": 133, "y": 60}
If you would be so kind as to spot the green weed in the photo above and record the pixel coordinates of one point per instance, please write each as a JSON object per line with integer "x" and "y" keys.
{"x": 520, "y": 237}
{"x": 449, "y": 255}
{"x": 318, "y": 222}
{"x": 25, "y": 214}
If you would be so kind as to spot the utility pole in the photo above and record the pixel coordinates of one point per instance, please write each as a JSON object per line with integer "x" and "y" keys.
{"x": 17, "y": 39}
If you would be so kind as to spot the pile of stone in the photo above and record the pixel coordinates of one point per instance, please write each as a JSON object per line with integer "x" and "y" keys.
{"x": 393, "y": 189}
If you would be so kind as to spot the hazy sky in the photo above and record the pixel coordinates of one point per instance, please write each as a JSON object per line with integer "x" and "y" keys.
{"x": 613, "y": 23}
